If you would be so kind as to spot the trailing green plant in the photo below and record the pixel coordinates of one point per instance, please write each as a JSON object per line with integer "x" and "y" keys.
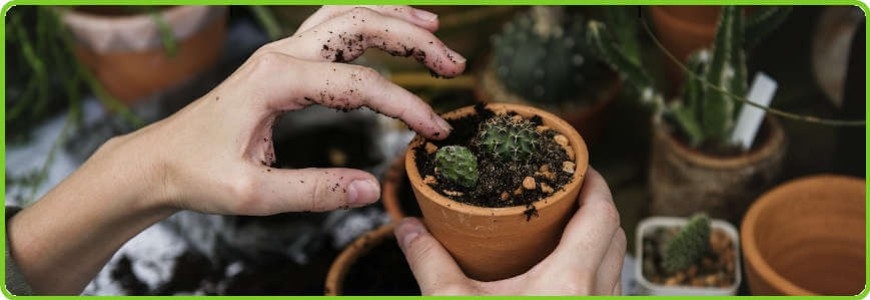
{"x": 457, "y": 164}
{"x": 689, "y": 245}
{"x": 705, "y": 112}
{"x": 508, "y": 138}
{"x": 542, "y": 56}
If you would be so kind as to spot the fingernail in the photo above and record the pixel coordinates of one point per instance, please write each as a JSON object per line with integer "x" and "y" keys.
{"x": 455, "y": 57}
{"x": 445, "y": 127}
{"x": 407, "y": 230}
{"x": 424, "y": 15}
{"x": 362, "y": 192}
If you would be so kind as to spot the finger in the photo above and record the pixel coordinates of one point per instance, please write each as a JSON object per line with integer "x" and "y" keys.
{"x": 343, "y": 39}
{"x": 591, "y": 229}
{"x": 611, "y": 267}
{"x": 416, "y": 16}
{"x": 617, "y": 289}
{"x": 288, "y": 83}
{"x": 433, "y": 267}
{"x": 274, "y": 191}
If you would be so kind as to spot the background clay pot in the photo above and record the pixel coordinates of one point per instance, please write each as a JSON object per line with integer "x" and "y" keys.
{"x": 497, "y": 243}
{"x": 682, "y": 29}
{"x": 683, "y": 181}
{"x": 126, "y": 54}
{"x": 391, "y": 279}
{"x": 396, "y": 194}
{"x": 647, "y": 226}
{"x": 807, "y": 237}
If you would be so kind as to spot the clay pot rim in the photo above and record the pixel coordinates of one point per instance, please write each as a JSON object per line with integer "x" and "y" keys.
{"x": 651, "y": 223}
{"x": 360, "y": 246}
{"x": 581, "y": 160}
{"x": 390, "y": 189}
{"x": 775, "y": 140}
{"x": 752, "y": 255}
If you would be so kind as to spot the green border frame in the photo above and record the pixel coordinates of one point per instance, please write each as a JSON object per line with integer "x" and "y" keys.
{"x": 863, "y": 6}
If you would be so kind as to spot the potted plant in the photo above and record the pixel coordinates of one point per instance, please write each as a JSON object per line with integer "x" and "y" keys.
{"x": 541, "y": 58}
{"x": 372, "y": 264}
{"x": 135, "y": 51}
{"x": 807, "y": 237}
{"x": 684, "y": 29}
{"x": 695, "y": 165}
{"x": 506, "y": 173}
{"x": 687, "y": 256}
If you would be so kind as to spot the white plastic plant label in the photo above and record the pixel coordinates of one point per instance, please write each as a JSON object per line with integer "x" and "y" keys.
{"x": 761, "y": 92}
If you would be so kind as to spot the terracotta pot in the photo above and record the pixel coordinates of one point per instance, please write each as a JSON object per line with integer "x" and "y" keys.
{"x": 126, "y": 54}
{"x": 807, "y": 237}
{"x": 649, "y": 225}
{"x": 589, "y": 119}
{"x": 683, "y": 181}
{"x": 497, "y": 243}
{"x": 683, "y": 29}
{"x": 360, "y": 250}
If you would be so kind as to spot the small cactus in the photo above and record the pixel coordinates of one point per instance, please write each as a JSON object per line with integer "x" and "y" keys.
{"x": 542, "y": 56}
{"x": 689, "y": 245}
{"x": 508, "y": 138}
{"x": 457, "y": 164}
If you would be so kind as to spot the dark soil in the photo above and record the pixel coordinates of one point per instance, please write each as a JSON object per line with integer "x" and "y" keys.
{"x": 382, "y": 271}
{"x": 497, "y": 177}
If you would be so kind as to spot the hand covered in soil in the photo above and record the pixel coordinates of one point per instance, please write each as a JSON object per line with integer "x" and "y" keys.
{"x": 587, "y": 261}
{"x": 213, "y": 156}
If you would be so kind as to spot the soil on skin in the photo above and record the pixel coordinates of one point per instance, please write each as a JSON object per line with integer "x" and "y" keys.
{"x": 497, "y": 177}
{"x": 382, "y": 271}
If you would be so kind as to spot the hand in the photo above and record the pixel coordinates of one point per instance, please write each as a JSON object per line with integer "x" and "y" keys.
{"x": 218, "y": 149}
{"x": 587, "y": 261}
{"x": 213, "y": 156}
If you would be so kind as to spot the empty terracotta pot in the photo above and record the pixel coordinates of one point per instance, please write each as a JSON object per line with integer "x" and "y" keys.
{"x": 372, "y": 264}
{"x": 124, "y": 50}
{"x": 496, "y": 243}
{"x": 807, "y": 237}
{"x": 683, "y": 29}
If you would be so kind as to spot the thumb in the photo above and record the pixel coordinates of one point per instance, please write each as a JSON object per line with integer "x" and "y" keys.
{"x": 311, "y": 189}
{"x": 433, "y": 267}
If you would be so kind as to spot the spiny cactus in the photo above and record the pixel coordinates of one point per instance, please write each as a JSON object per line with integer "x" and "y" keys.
{"x": 508, "y": 139}
{"x": 689, "y": 245}
{"x": 542, "y": 56}
{"x": 457, "y": 164}
{"x": 706, "y": 112}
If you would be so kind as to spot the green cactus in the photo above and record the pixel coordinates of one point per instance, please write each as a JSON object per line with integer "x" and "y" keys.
{"x": 689, "y": 245}
{"x": 457, "y": 164}
{"x": 508, "y": 139}
{"x": 706, "y": 114}
{"x": 542, "y": 56}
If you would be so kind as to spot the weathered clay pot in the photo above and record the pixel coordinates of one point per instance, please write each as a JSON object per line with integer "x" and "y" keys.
{"x": 589, "y": 119}
{"x": 683, "y": 181}
{"x": 807, "y": 237}
{"x": 359, "y": 250}
{"x": 496, "y": 243}
{"x": 126, "y": 54}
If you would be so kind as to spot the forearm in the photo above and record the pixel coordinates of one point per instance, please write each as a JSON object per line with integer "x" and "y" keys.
{"x": 64, "y": 239}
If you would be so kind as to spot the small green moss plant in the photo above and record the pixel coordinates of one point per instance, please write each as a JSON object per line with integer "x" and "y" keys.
{"x": 689, "y": 245}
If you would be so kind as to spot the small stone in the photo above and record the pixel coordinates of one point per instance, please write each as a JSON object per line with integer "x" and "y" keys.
{"x": 561, "y": 140}
{"x": 337, "y": 158}
{"x": 568, "y": 167}
{"x": 431, "y": 148}
{"x": 542, "y": 128}
{"x": 499, "y": 111}
{"x": 505, "y": 196}
{"x": 517, "y": 118}
{"x": 518, "y": 191}
{"x": 529, "y": 183}
{"x": 546, "y": 188}
{"x": 711, "y": 280}
{"x": 697, "y": 282}
{"x": 570, "y": 152}
{"x": 453, "y": 193}
{"x": 430, "y": 180}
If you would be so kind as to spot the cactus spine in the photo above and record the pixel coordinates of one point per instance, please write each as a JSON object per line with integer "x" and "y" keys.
{"x": 507, "y": 138}
{"x": 457, "y": 164}
{"x": 689, "y": 245}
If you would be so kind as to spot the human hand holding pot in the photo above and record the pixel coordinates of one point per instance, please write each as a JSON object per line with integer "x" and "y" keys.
{"x": 213, "y": 156}
{"x": 587, "y": 261}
